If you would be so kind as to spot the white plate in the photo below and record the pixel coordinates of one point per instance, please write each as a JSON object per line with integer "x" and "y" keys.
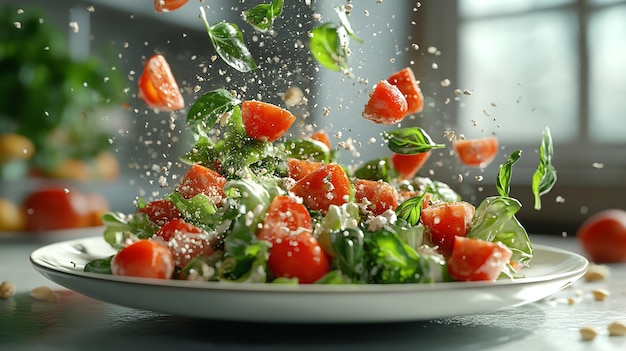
{"x": 551, "y": 270}
{"x": 52, "y": 235}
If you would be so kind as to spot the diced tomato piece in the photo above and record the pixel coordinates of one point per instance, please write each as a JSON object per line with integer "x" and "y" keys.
{"x": 386, "y": 104}
{"x": 408, "y": 85}
{"x": 185, "y": 241}
{"x": 168, "y": 5}
{"x": 285, "y": 216}
{"x": 476, "y": 152}
{"x": 144, "y": 258}
{"x": 328, "y": 185}
{"x": 378, "y": 195}
{"x": 298, "y": 169}
{"x": 474, "y": 259}
{"x": 408, "y": 165}
{"x": 322, "y": 137}
{"x": 265, "y": 122}
{"x": 161, "y": 211}
{"x": 200, "y": 179}
{"x": 298, "y": 256}
{"x": 446, "y": 221}
{"x": 157, "y": 86}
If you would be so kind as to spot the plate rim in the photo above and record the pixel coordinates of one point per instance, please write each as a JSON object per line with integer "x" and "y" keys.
{"x": 242, "y": 287}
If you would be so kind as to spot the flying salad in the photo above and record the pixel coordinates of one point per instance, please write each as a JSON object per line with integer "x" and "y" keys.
{"x": 257, "y": 206}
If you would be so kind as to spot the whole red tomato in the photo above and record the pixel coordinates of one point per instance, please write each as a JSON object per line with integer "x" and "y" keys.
{"x": 56, "y": 208}
{"x": 603, "y": 236}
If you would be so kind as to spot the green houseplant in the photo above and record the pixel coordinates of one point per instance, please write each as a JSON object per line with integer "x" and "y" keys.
{"x": 48, "y": 97}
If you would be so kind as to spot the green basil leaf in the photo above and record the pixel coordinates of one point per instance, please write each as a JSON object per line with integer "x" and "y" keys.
{"x": 504, "y": 174}
{"x": 307, "y": 149}
{"x": 329, "y": 44}
{"x": 349, "y": 252}
{"x": 377, "y": 169}
{"x": 343, "y": 19}
{"x": 411, "y": 209}
{"x": 262, "y": 16}
{"x": 544, "y": 177}
{"x": 408, "y": 141}
{"x": 494, "y": 220}
{"x": 227, "y": 40}
{"x": 210, "y": 107}
{"x": 99, "y": 265}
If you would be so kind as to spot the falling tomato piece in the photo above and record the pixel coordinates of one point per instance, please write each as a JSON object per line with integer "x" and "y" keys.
{"x": 168, "y": 5}
{"x": 157, "y": 86}
{"x": 409, "y": 86}
{"x": 476, "y": 152}
{"x": 386, "y": 104}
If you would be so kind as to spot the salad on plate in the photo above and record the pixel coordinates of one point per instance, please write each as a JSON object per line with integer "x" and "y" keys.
{"x": 259, "y": 206}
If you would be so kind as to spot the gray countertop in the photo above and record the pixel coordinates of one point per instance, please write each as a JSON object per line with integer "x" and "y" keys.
{"x": 77, "y": 322}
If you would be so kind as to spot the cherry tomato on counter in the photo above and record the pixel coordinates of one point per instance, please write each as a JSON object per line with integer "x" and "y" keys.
{"x": 603, "y": 236}
{"x": 56, "y": 208}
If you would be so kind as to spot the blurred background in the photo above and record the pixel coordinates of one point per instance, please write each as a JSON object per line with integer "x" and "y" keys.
{"x": 486, "y": 67}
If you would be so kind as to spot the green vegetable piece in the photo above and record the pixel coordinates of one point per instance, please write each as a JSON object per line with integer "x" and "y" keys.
{"x": 377, "y": 169}
{"x": 408, "y": 141}
{"x": 411, "y": 209}
{"x": 210, "y": 107}
{"x": 349, "y": 253}
{"x": 439, "y": 190}
{"x": 307, "y": 149}
{"x": 544, "y": 177}
{"x": 390, "y": 260}
{"x": 504, "y": 174}
{"x": 99, "y": 265}
{"x": 494, "y": 220}
{"x": 334, "y": 277}
{"x": 329, "y": 46}
{"x": 262, "y": 16}
{"x": 227, "y": 40}
{"x": 197, "y": 210}
{"x": 342, "y": 13}
{"x": 120, "y": 227}
{"x": 245, "y": 257}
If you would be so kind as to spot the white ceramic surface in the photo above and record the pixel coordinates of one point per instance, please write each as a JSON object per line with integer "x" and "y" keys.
{"x": 551, "y": 270}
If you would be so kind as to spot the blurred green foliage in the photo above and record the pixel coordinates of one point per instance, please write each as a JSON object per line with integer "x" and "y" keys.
{"x": 47, "y": 96}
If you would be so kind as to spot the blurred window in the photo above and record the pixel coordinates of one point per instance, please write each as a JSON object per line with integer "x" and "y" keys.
{"x": 535, "y": 63}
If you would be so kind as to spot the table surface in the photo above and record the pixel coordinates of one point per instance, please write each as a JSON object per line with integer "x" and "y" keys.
{"x": 77, "y": 322}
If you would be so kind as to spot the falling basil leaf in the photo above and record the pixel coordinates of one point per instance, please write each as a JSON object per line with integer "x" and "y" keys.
{"x": 262, "y": 16}
{"x": 208, "y": 108}
{"x": 411, "y": 209}
{"x": 343, "y": 19}
{"x": 227, "y": 40}
{"x": 329, "y": 46}
{"x": 545, "y": 175}
{"x": 503, "y": 182}
{"x": 408, "y": 141}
